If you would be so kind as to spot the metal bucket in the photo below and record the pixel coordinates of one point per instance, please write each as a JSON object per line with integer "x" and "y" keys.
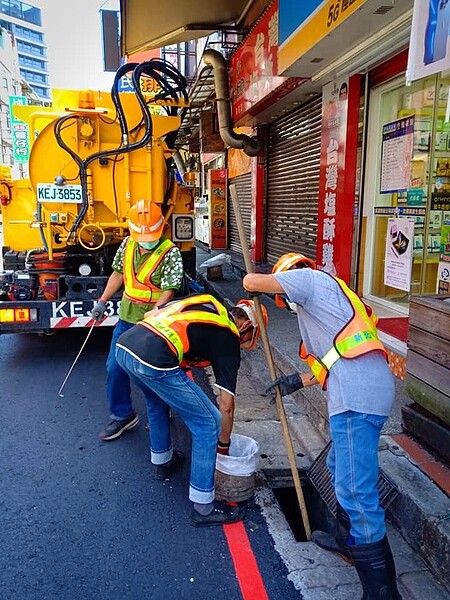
{"x": 233, "y": 488}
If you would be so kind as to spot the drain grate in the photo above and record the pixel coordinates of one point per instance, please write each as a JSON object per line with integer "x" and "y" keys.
{"x": 320, "y": 477}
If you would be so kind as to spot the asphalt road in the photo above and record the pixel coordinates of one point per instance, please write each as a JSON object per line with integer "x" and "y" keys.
{"x": 84, "y": 519}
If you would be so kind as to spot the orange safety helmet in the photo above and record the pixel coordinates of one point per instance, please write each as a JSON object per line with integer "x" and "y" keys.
{"x": 289, "y": 261}
{"x": 145, "y": 221}
{"x": 248, "y": 306}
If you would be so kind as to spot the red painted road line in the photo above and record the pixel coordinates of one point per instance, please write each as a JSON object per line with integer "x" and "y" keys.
{"x": 245, "y": 565}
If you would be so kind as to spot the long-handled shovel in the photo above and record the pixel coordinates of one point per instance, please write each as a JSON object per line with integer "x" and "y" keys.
{"x": 271, "y": 365}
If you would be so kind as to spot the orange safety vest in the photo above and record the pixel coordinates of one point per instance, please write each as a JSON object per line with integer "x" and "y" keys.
{"x": 358, "y": 336}
{"x": 138, "y": 286}
{"x": 171, "y": 322}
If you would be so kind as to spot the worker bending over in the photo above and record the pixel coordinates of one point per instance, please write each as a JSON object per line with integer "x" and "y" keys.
{"x": 341, "y": 346}
{"x": 151, "y": 352}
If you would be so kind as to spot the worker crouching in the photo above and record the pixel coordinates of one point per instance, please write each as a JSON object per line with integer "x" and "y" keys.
{"x": 153, "y": 353}
{"x": 341, "y": 346}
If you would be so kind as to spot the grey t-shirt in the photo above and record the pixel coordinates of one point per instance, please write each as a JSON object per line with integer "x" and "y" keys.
{"x": 363, "y": 384}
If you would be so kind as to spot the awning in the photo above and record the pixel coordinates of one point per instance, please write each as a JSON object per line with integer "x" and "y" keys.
{"x": 149, "y": 24}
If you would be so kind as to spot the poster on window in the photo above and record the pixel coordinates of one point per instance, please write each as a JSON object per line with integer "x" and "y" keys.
{"x": 396, "y": 154}
{"x": 429, "y": 48}
{"x": 398, "y": 256}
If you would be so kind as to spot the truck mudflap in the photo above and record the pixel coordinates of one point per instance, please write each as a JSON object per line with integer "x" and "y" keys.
{"x": 43, "y": 315}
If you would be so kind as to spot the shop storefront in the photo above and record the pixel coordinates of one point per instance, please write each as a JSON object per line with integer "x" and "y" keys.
{"x": 406, "y": 216}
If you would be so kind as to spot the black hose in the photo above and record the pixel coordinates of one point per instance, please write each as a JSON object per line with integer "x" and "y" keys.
{"x": 156, "y": 69}
{"x": 82, "y": 170}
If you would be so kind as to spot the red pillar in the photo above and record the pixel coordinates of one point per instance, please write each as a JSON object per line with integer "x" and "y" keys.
{"x": 257, "y": 222}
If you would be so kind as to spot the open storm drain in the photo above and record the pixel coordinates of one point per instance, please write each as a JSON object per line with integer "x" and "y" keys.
{"x": 320, "y": 477}
{"x": 320, "y": 498}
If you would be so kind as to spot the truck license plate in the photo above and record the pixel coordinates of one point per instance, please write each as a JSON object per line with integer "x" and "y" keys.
{"x": 49, "y": 192}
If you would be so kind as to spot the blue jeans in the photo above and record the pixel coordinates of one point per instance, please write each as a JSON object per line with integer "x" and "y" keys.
{"x": 164, "y": 388}
{"x": 118, "y": 388}
{"x": 353, "y": 464}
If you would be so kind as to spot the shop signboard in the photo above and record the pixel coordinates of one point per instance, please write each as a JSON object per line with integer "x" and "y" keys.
{"x": 429, "y": 49}
{"x": 19, "y": 130}
{"x": 254, "y": 69}
{"x": 303, "y": 24}
{"x": 335, "y": 215}
{"x": 218, "y": 209}
{"x": 396, "y": 154}
{"x": 399, "y": 253}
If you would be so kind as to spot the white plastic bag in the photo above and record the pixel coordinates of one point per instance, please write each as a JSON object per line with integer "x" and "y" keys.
{"x": 242, "y": 459}
{"x": 216, "y": 261}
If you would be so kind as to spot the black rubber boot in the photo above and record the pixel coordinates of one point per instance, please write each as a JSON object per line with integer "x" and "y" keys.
{"x": 376, "y": 570}
{"x": 335, "y": 542}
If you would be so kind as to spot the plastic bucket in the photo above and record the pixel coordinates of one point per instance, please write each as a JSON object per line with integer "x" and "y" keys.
{"x": 235, "y": 473}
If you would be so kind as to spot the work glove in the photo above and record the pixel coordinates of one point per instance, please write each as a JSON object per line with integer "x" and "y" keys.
{"x": 99, "y": 310}
{"x": 286, "y": 383}
{"x": 222, "y": 448}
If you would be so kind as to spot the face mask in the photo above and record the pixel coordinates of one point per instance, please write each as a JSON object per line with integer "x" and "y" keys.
{"x": 148, "y": 245}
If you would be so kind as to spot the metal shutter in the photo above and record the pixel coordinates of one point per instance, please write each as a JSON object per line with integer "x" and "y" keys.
{"x": 243, "y": 185}
{"x": 293, "y": 182}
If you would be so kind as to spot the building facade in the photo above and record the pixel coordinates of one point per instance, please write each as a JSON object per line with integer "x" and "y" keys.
{"x": 24, "y": 22}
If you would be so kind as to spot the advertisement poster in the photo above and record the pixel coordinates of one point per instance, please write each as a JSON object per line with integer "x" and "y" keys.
{"x": 399, "y": 253}
{"x": 254, "y": 70}
{"x": 396, "y": 154}
{"x": 218, "y": 208}
{"x": 334, "y": 217}
{"x": 429, "y": 51}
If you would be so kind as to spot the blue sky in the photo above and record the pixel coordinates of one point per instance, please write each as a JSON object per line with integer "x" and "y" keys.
{"x": 72, "y": 31}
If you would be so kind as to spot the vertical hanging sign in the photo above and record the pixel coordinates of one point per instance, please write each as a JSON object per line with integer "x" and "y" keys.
{"x": 19, "y": 130}
{"x": 335, "y": 218}
{"x": 218, "y": 208}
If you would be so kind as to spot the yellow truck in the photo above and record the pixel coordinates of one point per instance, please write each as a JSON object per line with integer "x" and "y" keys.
{"x": 93, "y": 155}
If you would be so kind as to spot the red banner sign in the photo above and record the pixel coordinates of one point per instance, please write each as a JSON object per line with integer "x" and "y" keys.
{"x": 218, "y": 208}
{"x": 254, "y": 68}
{"x": 334, "y": 235}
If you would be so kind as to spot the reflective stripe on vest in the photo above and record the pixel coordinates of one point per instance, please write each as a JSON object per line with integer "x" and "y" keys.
{"x": 138, "y": 286}
{"x": 171, "y": 322}
{"x": 358, "y": 336}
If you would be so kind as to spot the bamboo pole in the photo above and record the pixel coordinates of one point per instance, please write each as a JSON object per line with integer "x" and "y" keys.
{"x": 270, "y": 363}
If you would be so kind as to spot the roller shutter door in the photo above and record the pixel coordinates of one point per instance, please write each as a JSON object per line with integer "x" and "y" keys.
{"x": 243, "y": 185}
{"x": 293, "y": 182}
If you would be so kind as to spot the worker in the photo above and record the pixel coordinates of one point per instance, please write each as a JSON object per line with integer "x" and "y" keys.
{"x": 191, "y": 328}
{"x": 341, "y": 346}
{"x": 150, "y": 268}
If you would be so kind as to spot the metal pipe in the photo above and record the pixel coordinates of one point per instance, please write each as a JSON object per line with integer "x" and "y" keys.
{"x": 250, "y": 145}
{"x": 179, "y": 163}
